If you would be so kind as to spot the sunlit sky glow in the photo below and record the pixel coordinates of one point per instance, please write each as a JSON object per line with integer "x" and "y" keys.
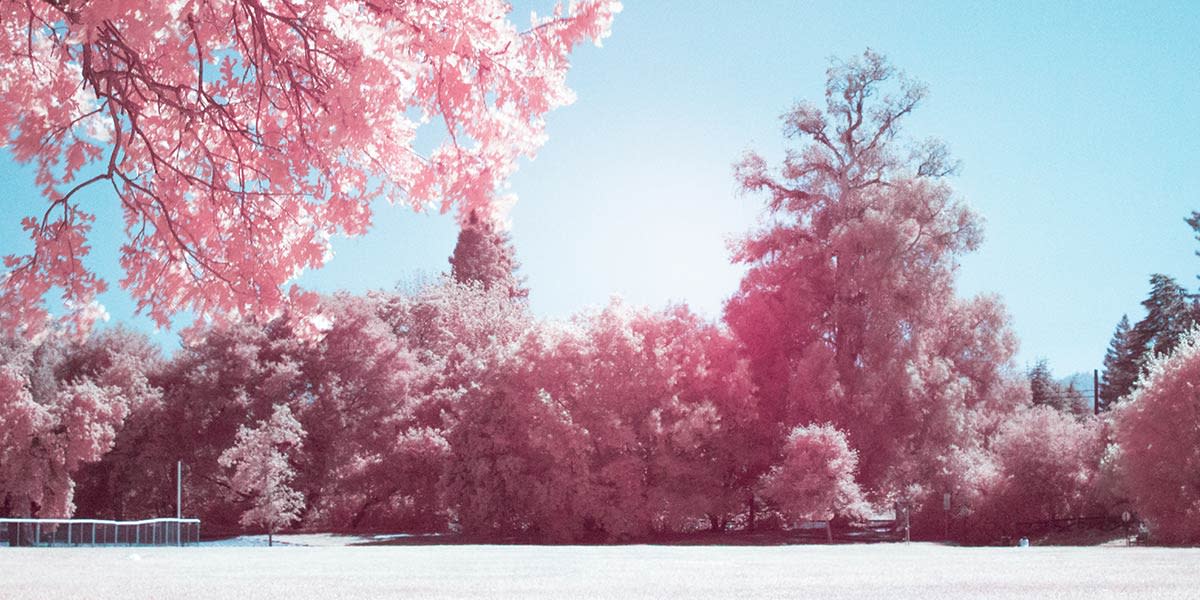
{"x": 1078, "y": 126}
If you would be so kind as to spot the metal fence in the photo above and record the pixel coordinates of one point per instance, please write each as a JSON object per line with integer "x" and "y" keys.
{"x": 99, "y": 532}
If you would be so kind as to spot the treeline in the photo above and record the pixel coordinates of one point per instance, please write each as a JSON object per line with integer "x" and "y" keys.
{"x": 845, "y": 377}
{"x": 454, "y": 409}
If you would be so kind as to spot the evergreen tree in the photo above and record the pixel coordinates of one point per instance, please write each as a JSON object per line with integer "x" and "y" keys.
{"x": 1041, "y": 384}
{"x": 1120, "y": 365}
{"x": 1046, "y": 391}
{"x": 1194, "y": 222}
{"x": 486, "y": 256}
{"x": 1169, "y": 315}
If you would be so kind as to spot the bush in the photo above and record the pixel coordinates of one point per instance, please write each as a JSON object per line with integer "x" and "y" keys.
{"x": 815, "y": 479}
{"x": 1047, "y": 465}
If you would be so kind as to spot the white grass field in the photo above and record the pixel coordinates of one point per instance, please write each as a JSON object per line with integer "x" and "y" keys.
{"x": 808, "y": 571}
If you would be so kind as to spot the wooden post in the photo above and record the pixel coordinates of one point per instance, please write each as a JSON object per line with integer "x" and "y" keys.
{"x": 946, "y": 520}
{"x": 907, "y": 526}
{"x": 750, "y": 523}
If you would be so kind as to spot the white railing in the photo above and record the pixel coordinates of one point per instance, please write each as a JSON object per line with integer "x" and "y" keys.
{"x": 98, "y": 532}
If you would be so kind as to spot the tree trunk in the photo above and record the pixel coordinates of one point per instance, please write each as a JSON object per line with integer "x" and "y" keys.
{"x": 270, "y": 540}
{"x": 750, "y": 522}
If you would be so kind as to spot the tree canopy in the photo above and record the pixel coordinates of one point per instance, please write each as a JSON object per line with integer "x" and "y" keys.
{"x": 240, "y": 136}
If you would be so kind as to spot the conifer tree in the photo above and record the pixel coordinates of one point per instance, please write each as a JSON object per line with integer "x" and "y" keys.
{"x": 1046, "y": 391}
{"x": 484, "y": 254}
{"x": 1169, "y": 315}
{"x": 1194, "y": 222}
{"x": 1120, "y": 365}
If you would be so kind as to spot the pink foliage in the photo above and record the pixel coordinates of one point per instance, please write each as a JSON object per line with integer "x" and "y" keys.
{"x": 51, "y": 428}
{"x": 670, "y": 415}
{"x": 226, "y": 377}
{"x": 1046, "y": 466}
{"x": 240, "y": 135}
{"x": 1157, "y": 432}
{"x": 848, "y": 312}
{"x": 262, "y": 472}
{"x": 484, "y": 254}
{"x": 372, "y": 456}
{"x": 815, "y": 478}
{"x": 612, "y": 426}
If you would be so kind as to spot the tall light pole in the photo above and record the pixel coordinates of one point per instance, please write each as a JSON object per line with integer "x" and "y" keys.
{"x": 178, "y": 502}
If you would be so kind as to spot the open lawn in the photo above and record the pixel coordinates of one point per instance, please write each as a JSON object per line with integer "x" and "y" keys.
{"x": 470, "y": 571}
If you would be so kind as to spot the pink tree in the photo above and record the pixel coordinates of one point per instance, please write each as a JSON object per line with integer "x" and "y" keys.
{"x": 1046, "y": 467}
{"x": 262, "y": 471}
{"x": 240, "y": 135}
{"x": 372, "y": 457}
{"x": 814, "y": 481}
{"x": 484, "y": 254}
{"x": 227, "y": 376}
{"x": 51, "y": 428}
{"x": 127, "y": 363}
{"x": 847, "y": 312}
{"x": 518, "y": 464}
{"x": 1157, "y": 432}
{"x": 670, "y": 416}
{"x": 514, "y": 459}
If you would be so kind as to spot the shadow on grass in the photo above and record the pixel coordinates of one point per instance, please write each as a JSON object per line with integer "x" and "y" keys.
{"x": 706, "y": 538}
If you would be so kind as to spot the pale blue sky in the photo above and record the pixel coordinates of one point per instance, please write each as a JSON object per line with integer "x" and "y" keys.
{"x": 1078, "y": 126}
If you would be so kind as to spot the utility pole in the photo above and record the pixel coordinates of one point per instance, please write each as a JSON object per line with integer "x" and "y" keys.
{"x": 1096, "y": 391}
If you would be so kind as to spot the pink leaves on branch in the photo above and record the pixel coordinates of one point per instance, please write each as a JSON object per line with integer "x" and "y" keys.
{"x": 241, "y": 135}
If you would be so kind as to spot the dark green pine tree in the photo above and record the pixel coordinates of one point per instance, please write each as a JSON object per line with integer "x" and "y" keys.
{"x": 1120, "y": 365}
